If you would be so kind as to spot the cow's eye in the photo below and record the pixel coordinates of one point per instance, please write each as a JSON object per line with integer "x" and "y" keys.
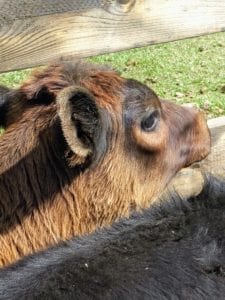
{"x": 150, "y": 120}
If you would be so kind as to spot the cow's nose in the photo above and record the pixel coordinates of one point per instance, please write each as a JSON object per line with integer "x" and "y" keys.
{"x": 201, "y": 139}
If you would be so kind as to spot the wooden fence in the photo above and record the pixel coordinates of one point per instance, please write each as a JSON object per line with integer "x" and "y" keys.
{"x": 32, "y": 32}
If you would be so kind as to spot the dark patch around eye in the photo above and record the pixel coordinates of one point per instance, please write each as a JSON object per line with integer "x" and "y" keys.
{"x": 150, "y": 121}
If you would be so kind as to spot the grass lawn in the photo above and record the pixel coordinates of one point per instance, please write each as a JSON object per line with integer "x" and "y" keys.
{"x": 191, "y": 70}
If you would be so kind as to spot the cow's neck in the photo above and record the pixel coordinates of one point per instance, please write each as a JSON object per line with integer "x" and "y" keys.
{"x": 44, "y": 201}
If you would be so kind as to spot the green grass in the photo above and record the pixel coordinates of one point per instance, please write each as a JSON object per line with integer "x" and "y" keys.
{"x": 13, "y": 79}
{"x": 188, "y": 71}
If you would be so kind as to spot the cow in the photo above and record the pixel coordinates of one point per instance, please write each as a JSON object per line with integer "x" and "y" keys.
{"x": 173, "y": 250}
{"x": 82, "y": 147}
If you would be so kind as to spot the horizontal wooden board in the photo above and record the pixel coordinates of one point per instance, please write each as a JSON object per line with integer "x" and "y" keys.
{"x": 190, "y": 181}
{"x": 32, "y": 32}
{"x": 21, "y": 9}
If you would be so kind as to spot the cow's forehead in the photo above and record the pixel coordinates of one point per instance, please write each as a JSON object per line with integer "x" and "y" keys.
{"x": 80, "y": 70}
{"x": 139, "y": 92}
{"x": 137, "y": 99}
{"x": 108, "y": 84}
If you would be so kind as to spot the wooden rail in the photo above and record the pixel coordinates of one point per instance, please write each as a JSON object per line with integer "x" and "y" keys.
{"x": 34, "y": 32}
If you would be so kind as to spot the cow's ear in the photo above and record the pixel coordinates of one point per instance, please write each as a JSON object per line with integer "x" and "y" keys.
{"x": 81, "y": 121}
{"x": 4, "y": 104}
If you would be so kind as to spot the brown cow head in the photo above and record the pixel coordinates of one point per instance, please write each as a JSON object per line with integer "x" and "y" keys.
{"x": 129, "y": 141}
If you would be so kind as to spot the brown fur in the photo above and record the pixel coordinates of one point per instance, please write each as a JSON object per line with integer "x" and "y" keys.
{"x": 49, "y": 192}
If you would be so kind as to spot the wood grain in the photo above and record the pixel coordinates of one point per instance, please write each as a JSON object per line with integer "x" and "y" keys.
{"x": 190, "y": 181}
{"x": 32, "y": 32}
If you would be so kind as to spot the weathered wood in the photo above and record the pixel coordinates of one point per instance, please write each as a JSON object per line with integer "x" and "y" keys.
{"x": 190, "y": 181}
{"x": 34, "y": 32}
{"x": 215, "y": 162}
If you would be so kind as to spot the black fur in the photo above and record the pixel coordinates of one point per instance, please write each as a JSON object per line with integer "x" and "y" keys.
{"x": 174, "y": 250}
{"x": 90, "y": 122}
{"x": 4, "y": 92}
